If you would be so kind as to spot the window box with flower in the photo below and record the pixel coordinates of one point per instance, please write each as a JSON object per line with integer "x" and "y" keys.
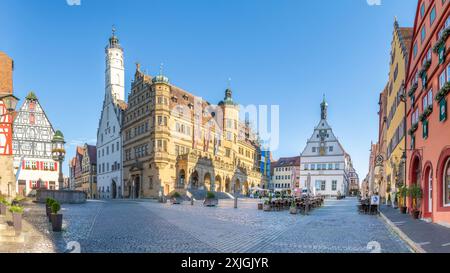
{"x": 443, "y": 92}
{"x": 413, "y": 129}
{"x": 413, "y": 89}
{"x": 441, "y": 42}
{"x": 426, "y": 113}
{"x": 425, "y": 68}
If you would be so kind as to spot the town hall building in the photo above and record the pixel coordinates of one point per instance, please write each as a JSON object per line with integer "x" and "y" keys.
{"x": 326, "y": 168}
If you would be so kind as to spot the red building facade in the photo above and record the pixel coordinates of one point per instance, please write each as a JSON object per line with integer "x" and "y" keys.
{"x": 427, "y": 85}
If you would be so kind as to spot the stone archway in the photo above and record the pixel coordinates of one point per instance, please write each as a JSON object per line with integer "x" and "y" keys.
{"x": 218, "y": 184}
{"x": 114, "y": 190}
{"x": 246, "y": 188}
{"x": 195, "y": 182}
{"x": 181, "y": 179}
{"x": 207, "y": 181}
{"x": 237, "y": 185}
{"x": 428, "y": 190}
{"x": 228, "y": 185}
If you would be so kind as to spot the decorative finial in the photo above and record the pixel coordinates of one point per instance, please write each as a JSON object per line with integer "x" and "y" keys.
{"x": 113, "y": 30}
{"x": 161, "y": 69}
{"x": 138, "y": 66}
{"x": 323, "y": 108}
{"x": 229, "y": 83}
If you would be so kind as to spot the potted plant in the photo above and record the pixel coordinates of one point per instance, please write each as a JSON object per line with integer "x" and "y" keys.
{"x": 56, "y": 217}
{"x": 415, "y": 192}
{"x": 175, "y": 198}
{"x": 267, "y": 203}
{"x": 48, "y": 208}
{"x": 403, "y": 193}
{"x": 3, "y": 206}
{"x": 210, "y": 200}
{"x": 293, "y": 208}
{"x": 260, "y": 203}
{"x": 17, "y": 213}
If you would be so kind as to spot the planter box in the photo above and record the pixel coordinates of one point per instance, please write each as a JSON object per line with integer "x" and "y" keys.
{"x": 175, "y": 201}
{"x": 2, "y": 209}
{"x": 403, "y": 210}
{"x": 210, "y": 202}
{"x": 260, "y": 206}
{"x": 57, "y": 222}
{"x": 267, "y": 207}
{"x": 293, "y": 211}
{"x": 416, "y": 214}
{"x": 17, "y": 221}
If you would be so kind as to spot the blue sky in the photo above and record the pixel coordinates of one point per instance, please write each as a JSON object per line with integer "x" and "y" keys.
{"x": 286, "y": 53}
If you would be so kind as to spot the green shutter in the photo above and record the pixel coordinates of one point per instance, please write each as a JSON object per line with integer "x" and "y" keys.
{"x": 443, "y": 110}
{"x": 441, "y": 53}
{"x": 425, "y": 129}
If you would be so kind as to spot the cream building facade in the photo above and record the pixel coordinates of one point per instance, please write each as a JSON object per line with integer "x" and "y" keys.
{"x": 176, "y": 142}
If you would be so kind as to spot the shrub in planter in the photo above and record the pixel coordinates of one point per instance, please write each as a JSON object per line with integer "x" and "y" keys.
{"x": 17, "y": 213}
{"x": 48, "y": 208}
{"x": 175, "y": 198}
{"x": 3, "y": 206}
{"x": 293, "y": 208}
{"x": 56, "y": 217}
{"x": 210, "y": 200}
{"x": 48, "y": 205}
{"x": 415, "y": 192}
{"x": 403, "y": 193}
{"x": 266, "y": 206}
{"x": 260, "y": 203}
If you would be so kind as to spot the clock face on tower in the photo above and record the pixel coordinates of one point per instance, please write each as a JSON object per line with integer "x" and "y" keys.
{"x": 323, "y": 134}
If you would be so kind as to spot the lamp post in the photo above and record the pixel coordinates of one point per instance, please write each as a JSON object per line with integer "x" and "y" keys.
{"x": 9, "y": 102}
{"x": 58, "y": 154}
{"x": 405, "y": 134}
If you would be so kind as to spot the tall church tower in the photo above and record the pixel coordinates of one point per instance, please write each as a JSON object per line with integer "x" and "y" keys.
{"x": 115, "y": 72}
{"x": 109, "y": 139}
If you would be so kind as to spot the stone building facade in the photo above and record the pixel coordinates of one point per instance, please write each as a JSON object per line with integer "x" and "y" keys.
{"x": 83, "y": 170}
{"x": 174, "y": 141}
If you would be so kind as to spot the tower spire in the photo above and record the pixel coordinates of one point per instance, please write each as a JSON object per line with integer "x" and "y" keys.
{"x": 323, "y": 108}
{"x": 114, "y": 41}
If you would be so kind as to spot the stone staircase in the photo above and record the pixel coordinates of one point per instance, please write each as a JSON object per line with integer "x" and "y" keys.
{"x": 201, "y": 194}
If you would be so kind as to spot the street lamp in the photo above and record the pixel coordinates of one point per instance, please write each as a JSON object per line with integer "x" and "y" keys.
{"x": 10, "y": 101}
{"x": 58, "y": 154}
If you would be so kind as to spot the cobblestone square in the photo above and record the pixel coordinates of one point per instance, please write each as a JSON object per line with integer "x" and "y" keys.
{"x": 150, "y": 227}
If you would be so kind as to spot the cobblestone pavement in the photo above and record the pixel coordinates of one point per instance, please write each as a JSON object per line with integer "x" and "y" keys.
{"x": 147, "y": 226}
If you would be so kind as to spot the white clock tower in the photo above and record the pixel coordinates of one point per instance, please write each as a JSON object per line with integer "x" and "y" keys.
{"x": 109, "y": 140}
{"x": 115, "y": 72}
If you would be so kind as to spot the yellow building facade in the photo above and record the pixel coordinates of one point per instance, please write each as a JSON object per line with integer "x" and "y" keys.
{"x": 174, "y": 141}
{"x": 395, "y": 119}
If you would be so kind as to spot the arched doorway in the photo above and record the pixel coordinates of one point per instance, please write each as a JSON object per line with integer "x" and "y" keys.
{"x": 428, "y": 190}
{"x": 207, "y": 181}
{"x": 218, "y": 183}
{"x": 415, "y": 173}
{"x": 194, "y": 180}
{"x": 246, "y": 189}
{"x": 228, "y": 185}
{"x": 237, "y": 186}
{"x": 114, "y": 190}
{"x": 181, "y": 179}
{"x": 137, "y": 187}
{"x": 446, "y": 183}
